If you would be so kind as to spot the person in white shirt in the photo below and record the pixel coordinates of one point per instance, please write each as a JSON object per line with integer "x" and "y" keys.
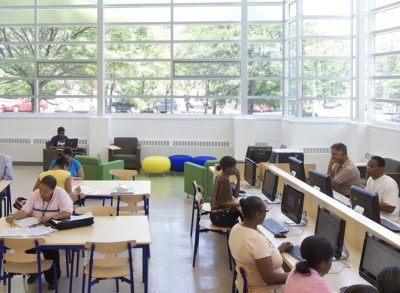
{"x": 385, "y": 187}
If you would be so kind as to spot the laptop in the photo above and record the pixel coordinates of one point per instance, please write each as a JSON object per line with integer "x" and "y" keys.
{"x": 72, "y": 143}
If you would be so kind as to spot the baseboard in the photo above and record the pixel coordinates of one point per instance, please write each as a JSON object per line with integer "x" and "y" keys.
{"x": 22, "y": 163}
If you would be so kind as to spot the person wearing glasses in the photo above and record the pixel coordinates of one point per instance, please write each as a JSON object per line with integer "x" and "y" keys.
{"x": 252, "y": 249}
{"x": 47, "y": 202}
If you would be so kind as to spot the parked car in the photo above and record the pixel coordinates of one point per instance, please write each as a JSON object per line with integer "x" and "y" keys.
{"x": 160, "y": 107}
{"x": 24, "y": 106}
{"x": 122, "y": 107}
{"x": 262, "y": 108}
{"x": 76, "y": 105}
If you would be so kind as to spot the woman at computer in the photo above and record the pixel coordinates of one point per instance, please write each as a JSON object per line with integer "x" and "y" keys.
{"x": 307, "y": 275}
{"x": 224, "y": 210}
{"x": 253, "y": 251}
{"x": 75, "y": 168}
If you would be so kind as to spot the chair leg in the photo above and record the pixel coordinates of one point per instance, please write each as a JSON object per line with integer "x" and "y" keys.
{"x": 104, "y": 201}
{"x": 53, "y": 266}
{"x": 9, "y": 284}
{"x": 116, "y": 284}
{"x": 229, "y": 251}
{"x": 67, "y": 261}
{"x": 40, "y": 282}
{"x": 196, "y": 244}
{"x": 77, "y": 263}
{"x": 191, "y": 225}
{"x": 83, "y": 281}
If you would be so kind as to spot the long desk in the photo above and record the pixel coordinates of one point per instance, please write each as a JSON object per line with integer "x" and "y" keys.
{"x": 104, "y": 229}
{"x": 5, "y": 185}
{"x": 345, "y": 272}
{"x": 106, "y": 188}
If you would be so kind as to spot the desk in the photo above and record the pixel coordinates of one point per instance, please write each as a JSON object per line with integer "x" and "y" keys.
{"x": 105, "y": 188}
{"x": 104, "y": 229}
{"x": 5, "y": 185}
{"x": 356, "y": 226}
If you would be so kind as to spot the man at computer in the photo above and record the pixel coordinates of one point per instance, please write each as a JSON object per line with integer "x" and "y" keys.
{"x": 58, "y": 140}
{"x": 342, "y": 171}
{"x": 385, "y": 187}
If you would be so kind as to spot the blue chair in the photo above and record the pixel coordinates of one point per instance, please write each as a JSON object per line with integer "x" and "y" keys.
{"x": 206, "y": 206}
{"x": 201, "y": 160}
{"x": 204, "y": 225}
{"x": 111, "y": 266}
{"x": 240, "y": 285}
{"x": 20, "y": 262}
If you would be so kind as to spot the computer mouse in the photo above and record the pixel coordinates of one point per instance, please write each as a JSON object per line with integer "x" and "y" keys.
{"x": 242, "y": 191}
{"x": 279, "y": 235}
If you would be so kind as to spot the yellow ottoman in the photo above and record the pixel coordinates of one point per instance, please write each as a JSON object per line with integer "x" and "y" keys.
{"x": 156, "y": 164}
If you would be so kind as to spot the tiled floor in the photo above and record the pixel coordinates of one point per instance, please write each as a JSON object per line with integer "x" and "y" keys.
{"x": 170, "y": 268}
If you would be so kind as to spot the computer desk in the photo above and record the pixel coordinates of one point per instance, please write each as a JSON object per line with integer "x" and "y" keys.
{"x": 356, "y": 226}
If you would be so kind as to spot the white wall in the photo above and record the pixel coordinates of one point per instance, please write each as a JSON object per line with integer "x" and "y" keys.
{"x": 238, "y": 131}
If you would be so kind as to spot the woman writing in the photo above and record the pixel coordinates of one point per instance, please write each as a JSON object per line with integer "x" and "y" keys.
{"x": 307, "y": 275}
{"x": 224, "y": 212}
{"x": 252, "y": 249}
{"x": 75, "y": 168}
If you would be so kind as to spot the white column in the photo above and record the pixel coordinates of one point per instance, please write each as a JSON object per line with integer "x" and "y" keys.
{"x": 243, "y": 63}
{"x": 100, "y": 58}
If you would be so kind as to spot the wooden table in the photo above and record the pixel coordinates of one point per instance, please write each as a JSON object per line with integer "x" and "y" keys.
{"x": 104, "y": 229}
{"x": 5, "y": 185}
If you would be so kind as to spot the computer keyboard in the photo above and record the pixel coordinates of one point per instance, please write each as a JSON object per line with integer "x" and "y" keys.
{"x": 391, "y": 226}
{"x": 295, "y": 252}
{"x": 273, "y": 226}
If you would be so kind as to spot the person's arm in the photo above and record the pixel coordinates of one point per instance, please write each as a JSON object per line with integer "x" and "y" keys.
{"x": 36, "y": 186}
{"x": 59, "y": 216}
{"x": 237, "y": 188}
{"x": 81, "y": 175}
{"x": 386, "y": 208}
{"x": 330, "y": 171}
{"x": 264, "y": 266}
{"x": 17, "y": 216}
{"x": 68, "y": 184}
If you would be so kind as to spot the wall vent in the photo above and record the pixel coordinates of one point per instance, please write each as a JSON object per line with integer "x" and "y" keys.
{"x": 154, "y": 143}
{"x": 316, "y": 150}
{"x": 41, "y": 141}
{"x": 191, "y": 143}
{"x": 15, "y": 140}
{"x": 261, "y": 144}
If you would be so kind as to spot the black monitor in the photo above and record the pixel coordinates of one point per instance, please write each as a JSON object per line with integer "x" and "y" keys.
{"x": 250, "y": 171}
{"x": 270, "y": 184}
{"x": 322, "y": 181}
{"x": 72, "y": 143}
{"x": 332, "y": 228}
{"x": 258, "y": 154}
{"x": 367, "y": 200}
{"x": 376, "y": 255}
{"x": 297, "y": 166}
{"x": 292, "y": 203}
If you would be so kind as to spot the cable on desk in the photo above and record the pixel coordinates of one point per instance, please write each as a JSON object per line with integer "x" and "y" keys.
{"x": 345, "y": 266}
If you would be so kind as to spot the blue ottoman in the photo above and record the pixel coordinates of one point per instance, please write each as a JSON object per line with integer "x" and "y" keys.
{"x": 178, "y": 162}
{"x": 201, "y": 160}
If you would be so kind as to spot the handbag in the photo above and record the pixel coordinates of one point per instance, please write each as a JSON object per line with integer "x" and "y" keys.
{"x": 19, "y": 203}
{"x": 69, "y": 224}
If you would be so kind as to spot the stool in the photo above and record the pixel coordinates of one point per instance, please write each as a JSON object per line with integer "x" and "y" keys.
{"x": 201, "y": 160}
{"x": 156, "y": 164}
{"x": 178, "y": 162}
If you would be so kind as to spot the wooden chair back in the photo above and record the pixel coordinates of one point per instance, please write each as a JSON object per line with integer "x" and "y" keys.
{"x": 123, "y": 174}
{"x": 97, "y": 211}
{"x": 131, "y": 201}
{"x": 76, "y": 197}
{"x": 17, "y": 248}
{"x": 110, "y": 250}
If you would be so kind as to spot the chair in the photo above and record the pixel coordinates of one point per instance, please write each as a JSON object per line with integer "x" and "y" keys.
{"x": 132, "y": 208}
{"x": 129, "y": 152}
{"x": 19, "y": 262}
{"x": 109, "y": 266}
{"x": 78, "y": 198}
{"x": 202, "y": 175}
{"x": 123, "y": 174}
{"x": 204, "y": 225}
{"x": 48, "y": 156}
{"x": 241, "y": 283}
{"x": 97, "y": 211}
{"x": 392, "y": 169}
{"x": 95, "y": 169}
{"x": 206, "y": 205}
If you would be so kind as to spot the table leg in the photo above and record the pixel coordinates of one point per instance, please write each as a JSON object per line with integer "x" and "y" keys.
{"x": 71, "y": 274}
{"x": 146, "y": 267}
{"x": 9, "y": 207}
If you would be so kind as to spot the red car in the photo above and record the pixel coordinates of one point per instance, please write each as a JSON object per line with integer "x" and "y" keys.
{"x": 24, "y": 106}
{"x": 262, "y": 108}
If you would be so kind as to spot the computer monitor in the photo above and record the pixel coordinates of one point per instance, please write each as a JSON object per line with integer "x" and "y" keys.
{"x": 297, "y": 166}
{"x": 292, "y": 203}
{"x": 376, "y": 255}
{"x": 258, "y": 154}
{"x": 250, "y": 171}
{"x": 322, "y": 181}
{"x": 72, "y": 143}
{"x": 367, "y": 200}
{"x": 270, "y": 184}
{"x": 332, "y": 228}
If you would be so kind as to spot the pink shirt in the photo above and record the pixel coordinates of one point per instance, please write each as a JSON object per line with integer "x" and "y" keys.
{"x": 37, "y": 207}
{"x": 298, "y": 283}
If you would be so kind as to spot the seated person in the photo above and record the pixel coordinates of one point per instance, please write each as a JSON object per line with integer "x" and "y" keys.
{"x": 6, "y": 173}
{"x": 342, "y": 171}
{"x": 48, "y": 201}
{"x": 388, "y": 280}
{"x": 251, "y": 248}
{"x": 306, "y": 276}
{"x": 58, "y": 141}
{"x": 385, "y": 187}
{"x": 75, "y": 168}
{"x": 224, "y": 210}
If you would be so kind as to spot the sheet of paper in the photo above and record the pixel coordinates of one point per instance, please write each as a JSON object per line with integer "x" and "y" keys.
{"x": 88, "y": 190}
{"x": 16, "y": 232}
{"x": 80, "y": 217}
{"x": 26, "y": 222}
{"x": 40, "y": 231}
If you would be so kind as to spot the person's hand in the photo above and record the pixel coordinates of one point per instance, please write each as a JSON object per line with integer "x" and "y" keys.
{"x": 284, "y": 246}
{"x": 44, "y": 220}
{"x": 331, "y": 161}
{"x": 77, "y": 189}
{"x": 10, "y": 219}
{"x": 237, "y": 174}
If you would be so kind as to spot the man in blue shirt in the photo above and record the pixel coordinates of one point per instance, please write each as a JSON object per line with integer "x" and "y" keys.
{"x": 59, "y": 139}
